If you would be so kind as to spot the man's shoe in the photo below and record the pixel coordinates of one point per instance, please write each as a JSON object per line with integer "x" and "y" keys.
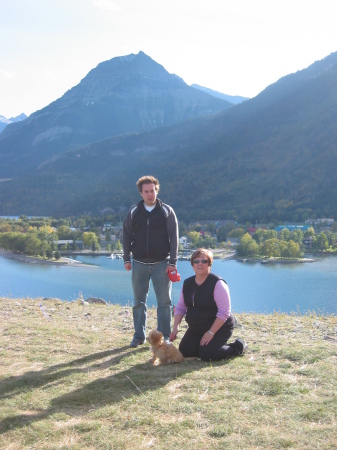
{"x": 240, "y": 346}
{"x": 135, "y": 343}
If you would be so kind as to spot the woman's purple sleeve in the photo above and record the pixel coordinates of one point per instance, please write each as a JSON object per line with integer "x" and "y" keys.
{"x": 180, "y": 307}
{"x": 223, "y": 300}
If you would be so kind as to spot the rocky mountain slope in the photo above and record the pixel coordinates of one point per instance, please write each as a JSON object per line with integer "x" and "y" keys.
{"x": 129, "y": 94}
{"x": 273, "y": 157}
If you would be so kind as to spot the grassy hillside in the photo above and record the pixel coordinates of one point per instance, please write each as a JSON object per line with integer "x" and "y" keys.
{"x": 69, "y": 380}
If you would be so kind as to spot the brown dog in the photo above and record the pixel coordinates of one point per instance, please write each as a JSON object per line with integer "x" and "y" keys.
{"x": 162, "y": 352}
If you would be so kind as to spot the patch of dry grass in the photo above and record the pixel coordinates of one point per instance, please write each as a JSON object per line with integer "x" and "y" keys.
{"x": 68, "y": 380}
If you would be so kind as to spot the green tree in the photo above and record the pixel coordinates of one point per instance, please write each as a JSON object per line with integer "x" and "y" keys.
{"x": 260, "y": 235}
{"x": 195, "y": 238}
{"x": 321, "y": 242}
{"x": 223, "y": 231}
{"x": 271, "y": 234}
{"x": 5, "y": 227}
{"x": 207, "y": 241}
{"x": 331, "y": 238}
{"x": 80, "y": 223}
{"x": 236, "y": 233}
{"x": 294, "y": 249}
{"x": 90, "y": 239}
{"x": 43, "y": 248}
{"x": 283, "y": 248}
{"x": 289, "y": 249}
{"x": 309, "y": 232}
{"x": 247, "y": 246}
{"x": 211, "y": 227}
{"x": 32, "y": 244}
{"x": 64, "y": 232}
{"x": 297, "y": 236}
{"x": 183, "y": 231}
{"x": 118, "y": 246}
{"x": 284, "y": 235}
{"x": 221, "y": 234}
{"x": 270, "y": 248}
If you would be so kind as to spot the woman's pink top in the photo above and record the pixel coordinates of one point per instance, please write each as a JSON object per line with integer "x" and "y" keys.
{"x": 222, "y": 299}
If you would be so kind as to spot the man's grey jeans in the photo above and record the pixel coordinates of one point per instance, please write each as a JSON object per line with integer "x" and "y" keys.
{"x": 141, "y": 276}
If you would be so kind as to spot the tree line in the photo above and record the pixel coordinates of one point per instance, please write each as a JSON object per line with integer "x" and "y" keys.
{"x": 39, "y": 236}
{"x": 285, "y": 244}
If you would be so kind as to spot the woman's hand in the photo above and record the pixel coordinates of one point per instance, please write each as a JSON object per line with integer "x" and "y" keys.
{"x": 207, "y": 337}
{"x": 177, "y": 319}
{"x": 173, "y": 334}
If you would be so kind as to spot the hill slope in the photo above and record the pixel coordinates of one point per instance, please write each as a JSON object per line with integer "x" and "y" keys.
{"x": 235, "y": 99}
{"x": 69, "y": 377}
{"x": 273, "y": 157}
{"x": 129, "y": 94}
{"x": 4, "y": 121}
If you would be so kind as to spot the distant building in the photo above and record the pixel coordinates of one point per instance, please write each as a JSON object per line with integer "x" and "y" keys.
{"x": 64, "y": 244}
{"x": 184, "y": 241}
{"x": 292, "y": 227}
{"x": 234, "y": 241}
{"x": 327, "y": 222}
{"x": 252, "y": 230}
{"x": 307, "y": 242}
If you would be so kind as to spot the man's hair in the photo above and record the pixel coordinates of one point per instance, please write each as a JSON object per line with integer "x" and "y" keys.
{"x": 148, "y": 179}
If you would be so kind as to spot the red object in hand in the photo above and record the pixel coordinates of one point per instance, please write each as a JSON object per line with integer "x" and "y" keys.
{"x": 174, "y": 275}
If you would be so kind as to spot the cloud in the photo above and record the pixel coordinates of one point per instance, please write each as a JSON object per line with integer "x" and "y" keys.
{"x": 6, "y": 74}
{"x": 106, "y": 4}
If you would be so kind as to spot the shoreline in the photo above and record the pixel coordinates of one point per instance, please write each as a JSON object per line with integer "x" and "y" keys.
{"x": 277, "y": 260}
{"x": 34, "y": 260}
{"x": 65, "y": 261}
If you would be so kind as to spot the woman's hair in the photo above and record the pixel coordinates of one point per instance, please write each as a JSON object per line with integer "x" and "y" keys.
{"x": 147, "y": 179}
{"x": 202, "y": 251}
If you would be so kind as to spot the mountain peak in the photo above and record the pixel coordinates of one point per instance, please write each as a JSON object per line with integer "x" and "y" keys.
{"x": 122, "y": 68}
{"x": 4, "y": 121}
{"x": 126, "y": 94}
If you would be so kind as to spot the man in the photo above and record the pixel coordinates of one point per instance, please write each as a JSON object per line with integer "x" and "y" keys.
{"x": 150, "y": 232}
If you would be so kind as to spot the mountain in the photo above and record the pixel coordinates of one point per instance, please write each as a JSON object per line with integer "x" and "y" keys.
{"x": 270, "y": 158}
{"x": 129, "y": 94}
{"x": 4, "y": 122}
{"x": 235, "y": 99}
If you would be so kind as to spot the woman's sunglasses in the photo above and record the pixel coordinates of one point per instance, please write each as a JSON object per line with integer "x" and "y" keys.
{"x": 202, "y": 261}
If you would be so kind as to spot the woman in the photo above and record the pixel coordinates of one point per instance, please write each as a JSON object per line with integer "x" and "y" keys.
{"x": 205, "y": 301}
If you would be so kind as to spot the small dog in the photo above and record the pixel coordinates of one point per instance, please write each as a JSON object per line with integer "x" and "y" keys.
{"x": 162, "y": 352}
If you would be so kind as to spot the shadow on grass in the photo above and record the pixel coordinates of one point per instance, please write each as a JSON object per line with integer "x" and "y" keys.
{"x": 134, "y": 381}
{"x": 15, "y": 385}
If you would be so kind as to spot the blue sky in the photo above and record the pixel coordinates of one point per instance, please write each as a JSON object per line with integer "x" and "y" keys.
{"x": 236, "y": 47}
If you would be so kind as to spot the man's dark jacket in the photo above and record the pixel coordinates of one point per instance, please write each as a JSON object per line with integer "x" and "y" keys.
{"x": 151, "y": 236}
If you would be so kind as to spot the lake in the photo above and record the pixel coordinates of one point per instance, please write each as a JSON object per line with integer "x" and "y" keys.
{"x": 254, "y": 287}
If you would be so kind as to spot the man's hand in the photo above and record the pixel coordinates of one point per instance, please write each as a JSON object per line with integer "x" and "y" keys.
{"x": 170, "y": 269}
{"x": 127, "y": 266}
